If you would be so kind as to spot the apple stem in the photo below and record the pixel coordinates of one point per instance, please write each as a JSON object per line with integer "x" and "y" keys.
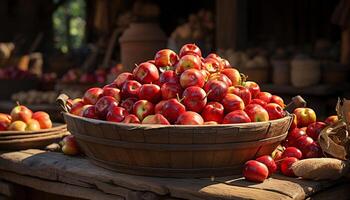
{"x": 243, "y": 78}
{"x": 178, "y": 98}
{"x": 17, "y": 102}
{"x": 207, "y": 94}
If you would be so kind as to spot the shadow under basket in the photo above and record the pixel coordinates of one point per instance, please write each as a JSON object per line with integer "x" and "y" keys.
{"x": 176, "y": 150}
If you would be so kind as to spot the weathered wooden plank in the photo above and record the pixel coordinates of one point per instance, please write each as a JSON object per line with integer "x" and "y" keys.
{"x": 57, "y": 188}
{"x": 339, "y": 192}
{"x": 7, "y": 188}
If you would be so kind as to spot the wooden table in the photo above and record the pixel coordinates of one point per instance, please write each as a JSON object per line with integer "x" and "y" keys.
{"x": 50, "y": 175}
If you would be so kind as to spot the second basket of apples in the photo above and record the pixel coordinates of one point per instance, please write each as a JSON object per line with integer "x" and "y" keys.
{"x": 178, "y": 115}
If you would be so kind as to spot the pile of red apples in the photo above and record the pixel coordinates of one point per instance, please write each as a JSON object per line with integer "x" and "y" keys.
{"x": 182, "y": 89}
{"x": 301, "y": 143}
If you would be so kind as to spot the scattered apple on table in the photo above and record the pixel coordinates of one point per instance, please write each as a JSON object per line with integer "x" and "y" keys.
{"x": 69, "y": 145}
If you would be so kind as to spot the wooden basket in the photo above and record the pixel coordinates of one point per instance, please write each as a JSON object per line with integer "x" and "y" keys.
{"x": 175, "y": 150}
{"x": 19, "y": 140}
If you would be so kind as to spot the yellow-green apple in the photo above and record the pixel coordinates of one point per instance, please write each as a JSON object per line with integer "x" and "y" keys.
{"x": 253, "y": 87}
{"x": 146, "y": 73}
{"x": 17, "y": 126}
{"x": 5, "y": 121}
{"x": 210, "y": 123}
{"x": 188, "y": 62}
{"x": 211, "y": 65}
{"x": 236, "y": 117}
{"x": 205, "y": 73}
{"x": 165, "y": 58}
{"x": 274, "y": 110}
{"x": 194, "y": 98}
{"x": 314, "y": 129}
{"x": 168, "y": 76}
{"x": 286, "y": 166}
{"x": 43, "y": 118}
{"x": 116, "y": 114}
{"x": 155, "y": 119}
{"x": 221, "y": 77}
{"x": 21, "y": 113}
{"x": 77, "y": 107}
{"x": 233, "y": 74}
{"x": 258, "y": 101}
{"x": 171, "y": 110}
{"x": 131, "y": 88}
{"x": 122, "y": 78}
{"x": 305, "y": 116}
{"x": 112, "y": 92}
{"x": 171, "y": 90}
{"x": 33, "y": 125}
{"x": 70, "y": 102}
{"x": 70, "y": 146}
{"x": 192, "y": 77}
{"x": 216, "y": 90}
{"x": 294, "y": 122}
{"x": 277, "y": 153}
{"x": 331, "y": 119}
{"x": 190, "y": 118}
{"x": 213, "y": 111}
{"x": 293, "y": 135}
{"x": 92, "y": 95}
{"x": 269, "y": 162}
{"x": 90, "y": 111}
{"x": 158, "y": 107}
{"x": 278, "y": 100}
{"x": 292, "y": 152}
{"x": 150, "y": 92}
{"x": 131, "y": 119}
{"x": 255, "y": 171}
{"x": 190, "y": 49}
{"x": 128, "y": 103}
{"x": 232, "y": 102}
{"x": 242, "y": 92}
{"x": 143, "y": 108}
{"x": 103, "y": 105}
{"x": 265, "y": 96}
{"x": 256, "y": 113}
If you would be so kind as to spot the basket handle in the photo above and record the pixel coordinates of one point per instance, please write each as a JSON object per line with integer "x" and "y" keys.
{"x": 62, "y": 102}
{"x": 297, "y": 102}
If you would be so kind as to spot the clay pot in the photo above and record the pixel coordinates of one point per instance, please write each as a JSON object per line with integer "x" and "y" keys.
{"x": 140, "y": 42}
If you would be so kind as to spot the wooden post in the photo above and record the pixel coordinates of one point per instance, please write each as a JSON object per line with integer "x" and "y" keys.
{"x": 345, "y": 47}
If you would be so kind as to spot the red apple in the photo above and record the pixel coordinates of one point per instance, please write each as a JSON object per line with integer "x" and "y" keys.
{"x": 142, "y": 108}
{"x": 5, "y": 121}
{"x": 21, "y": 113}
{"x": 171, "y": 110}
{"x": 232, "y": 102}
{"x": 43, "y": 118}
{"x": 258, "y": 101}
{"x": 278, "y": 100}
{"x": 205, "y": 73}
{"x": 212, "y": 65}
{"x": 116, "y": 114}
{"x": 277, "y": 153}
{"x": 275, "y": 111}
{"x": 286, "y": 166}
{"x": 242, "y": 92}
{"x": 292, "y": 152}
{"x": 221, "y": 77}
{"x": 190, "y": 49}
{"x": 150, "y": 92}
{"x": 159, "y": 106}
{"x": 216, "y": 90}
{"x": 77, "y": 108}
{"x": 146, "y": 73}
{"x": 314, "y": 129}
{"x": 213, "y": 111}
{"x": 130, "y": 89}
{"x": 214, "y": 56}
{"x": 305, "y": 116}
{"x": 331, "y": 119}
{"x": 92, "y": 95}
{"x": 170, "y": 90}
{"x": 122, "y": 78}
{"x": 128, "y": 103}
{"x": 256, "y": 113}
{"x": 70, "y": 146}
{"x": 168, "y": 76}
{"x": 103, "y": 105}
{"x": 269, "y": 162}
{"x": 112, "y": 92}
{"x": 226, "y": 64}
{"x": 191, "y": 77}
{"x": 210, "y": 123}
{"x": 89, "y": 111}
{"x": 312, "y": 150}
{"x": 253, "y": 88}
{"x": 165, "y": 58}
{"x": 265, "y": 96}
{"x": 294, "y": 122}
{"x": 293, "y": 135}
{"x": 233, "y": 74}
{"x": 194, "y": 98}
{"x": 188, "y": 62}
{"x": 155, "y": 119}
{"x": 302, "y": 142}
{"x": 236, "y": 117}
{"x": 131, "y": 119}
{"x": 190, "y": 118}
{"x": 255, "y": 171}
